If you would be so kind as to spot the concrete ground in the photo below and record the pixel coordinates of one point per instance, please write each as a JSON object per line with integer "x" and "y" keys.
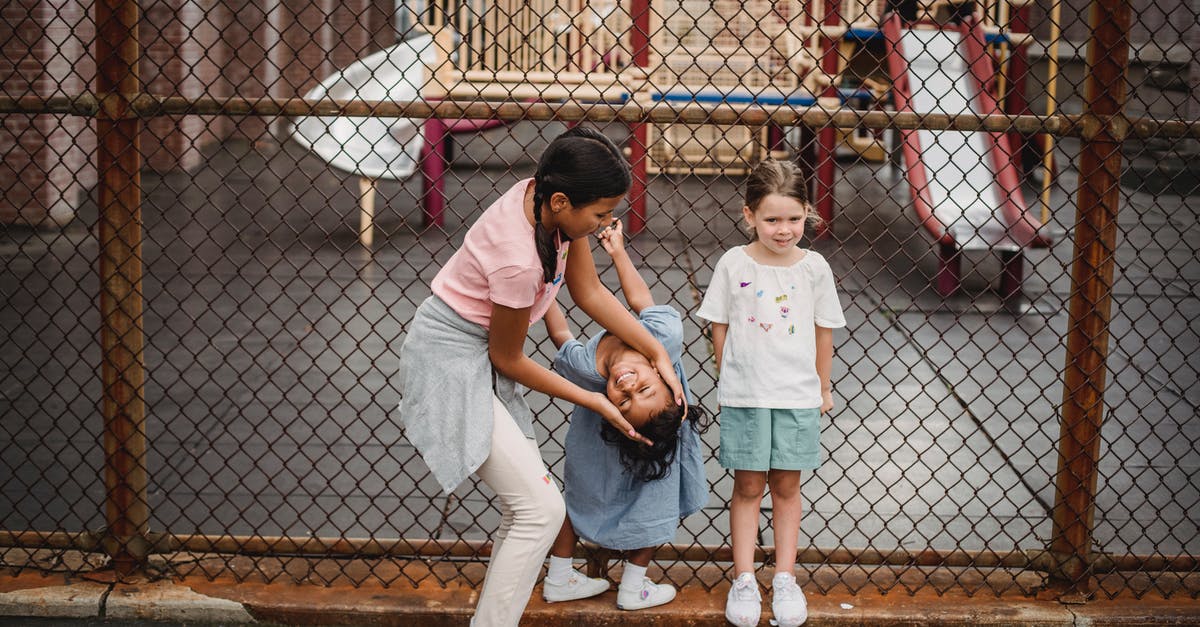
{"x": 272, "y": 339}
{"x": 226, "y": 601}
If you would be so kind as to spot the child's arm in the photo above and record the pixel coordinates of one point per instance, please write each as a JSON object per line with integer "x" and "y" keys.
{"x": 556, "y": 326}
{"x": 596, "y": 301}
{"x": 506, "y": 349}
{"x": 637, "y": 293}
{"x": 824, "y": 366}
{"x": 719, "y": 329}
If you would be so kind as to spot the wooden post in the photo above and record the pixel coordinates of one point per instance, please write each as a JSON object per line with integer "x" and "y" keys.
{"x": 366, "y": 205}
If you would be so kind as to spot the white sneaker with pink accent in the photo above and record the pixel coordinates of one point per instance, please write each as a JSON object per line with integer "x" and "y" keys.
{"x": 650, "y": 594}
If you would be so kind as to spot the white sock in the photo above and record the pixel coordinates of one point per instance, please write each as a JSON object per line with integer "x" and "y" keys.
{"x": 559, "y": 570}
{"x": 633, "y": 576}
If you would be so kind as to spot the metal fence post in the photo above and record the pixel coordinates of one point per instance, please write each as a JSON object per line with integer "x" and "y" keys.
{"x": 118, "y": 162}
{"x": 1091, "y": 295}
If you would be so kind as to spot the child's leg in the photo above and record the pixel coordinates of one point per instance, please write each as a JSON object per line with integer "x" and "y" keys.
{"x": 641, "y": 557}
{"x": 563, "y": 582}
{"x": 564, "y": 544}
{"x": 785, "y": 499}
{"x": 634, "y": 573}
{"x": 515, "y": 472}
{"x": 748, "y": 486}
{"x": 636, "y": 592}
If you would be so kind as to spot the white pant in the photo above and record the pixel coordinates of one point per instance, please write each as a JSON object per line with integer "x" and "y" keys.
{"x": 532, "y": 511}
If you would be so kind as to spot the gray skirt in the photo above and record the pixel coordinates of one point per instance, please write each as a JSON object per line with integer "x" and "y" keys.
{"x": 446, "y": 396}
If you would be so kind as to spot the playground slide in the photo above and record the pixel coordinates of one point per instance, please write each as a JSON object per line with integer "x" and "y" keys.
{"x": 965, "y": 185}
{"x": 376, "y": 148}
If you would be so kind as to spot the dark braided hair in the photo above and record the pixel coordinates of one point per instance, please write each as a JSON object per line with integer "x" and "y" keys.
{"x": 586, "y": 166}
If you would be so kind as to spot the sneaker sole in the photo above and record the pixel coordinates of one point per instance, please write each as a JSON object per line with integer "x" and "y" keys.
{"x": 643, "y": 607}
{"x": 576, "y": 598}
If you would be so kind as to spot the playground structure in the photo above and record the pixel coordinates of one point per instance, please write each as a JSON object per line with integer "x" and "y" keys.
{"x": 372, "y": 148}
{"x": 946, "y": 68}
{"x": 723, "y": 51}
{"x": 506, "y": 50}
{"x": 764, "y": 52}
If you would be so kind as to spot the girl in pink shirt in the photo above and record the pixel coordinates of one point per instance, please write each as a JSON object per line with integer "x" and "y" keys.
{"x": 463, "y": 365}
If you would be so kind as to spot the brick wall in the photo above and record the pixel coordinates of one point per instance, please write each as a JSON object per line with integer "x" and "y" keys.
{"x": 191, "y": 48}
{"x": 46, "y": 167}
{"x": 172, "y": 34}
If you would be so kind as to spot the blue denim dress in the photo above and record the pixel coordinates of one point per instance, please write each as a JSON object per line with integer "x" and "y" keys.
{"x": 607, "y": 506}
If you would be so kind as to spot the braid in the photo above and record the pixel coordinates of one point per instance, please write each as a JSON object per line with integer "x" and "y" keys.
{"x": 542, "y": 240}
{"x": 584, "y": 165}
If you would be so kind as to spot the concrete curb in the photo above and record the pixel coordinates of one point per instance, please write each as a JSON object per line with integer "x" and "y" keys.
{"x": 163, "y": 601}
{"x": 229, "y": 602}
{"x": 79, "y": 600}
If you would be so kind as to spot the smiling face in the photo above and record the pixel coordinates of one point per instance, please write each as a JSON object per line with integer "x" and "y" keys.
{"x": 635, "y": 387}
{"x": 778, "y": 222}
{"x": 580, "y": 221}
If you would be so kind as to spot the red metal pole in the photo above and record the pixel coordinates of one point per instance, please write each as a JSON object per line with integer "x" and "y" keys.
{"x": 118, "y": 162}
{"x": 826, "y": 147}
{"x": 433, "y": 172}
{"x": 1091, "y": 298}
{"x": 639, "y": 40}
{"x": 1015, "y": 101}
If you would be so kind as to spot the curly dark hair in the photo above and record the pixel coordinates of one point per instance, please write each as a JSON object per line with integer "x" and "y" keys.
{"x": 651, "y": 462}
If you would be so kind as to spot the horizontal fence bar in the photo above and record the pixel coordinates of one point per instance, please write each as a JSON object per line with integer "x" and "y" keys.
{"x": 360, "y": 548}
{"x": 1063, "y": 125}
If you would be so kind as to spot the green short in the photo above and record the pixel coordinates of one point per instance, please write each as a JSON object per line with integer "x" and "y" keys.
{"x": 753, "y": 438}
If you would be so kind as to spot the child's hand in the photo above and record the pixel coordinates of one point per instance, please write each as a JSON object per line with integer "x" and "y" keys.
{"x": 613, "y": 238}
{"x": 601, "y": 405}
{"x": 826, "y": 402}
{"x": 662, "y": 363}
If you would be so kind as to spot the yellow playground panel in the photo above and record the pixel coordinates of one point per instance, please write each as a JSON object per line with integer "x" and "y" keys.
{"x": 721, "y": 50}
{"x": 532, "y": 49}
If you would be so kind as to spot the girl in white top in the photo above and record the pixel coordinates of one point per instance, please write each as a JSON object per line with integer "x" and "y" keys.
{"x": 773, "y": 308}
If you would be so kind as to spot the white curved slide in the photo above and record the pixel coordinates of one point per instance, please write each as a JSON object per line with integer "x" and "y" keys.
{"x": 965, "y": 185}
{"x": 372, "y": 148}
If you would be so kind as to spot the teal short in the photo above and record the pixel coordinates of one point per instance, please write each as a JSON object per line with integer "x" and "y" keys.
{"x": 753, "y": 438}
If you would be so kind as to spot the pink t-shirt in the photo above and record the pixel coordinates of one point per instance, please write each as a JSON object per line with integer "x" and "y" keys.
{"x": 498, "y": 263}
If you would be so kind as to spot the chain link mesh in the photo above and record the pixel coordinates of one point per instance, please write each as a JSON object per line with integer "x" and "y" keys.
{"x": 276, "y": 270}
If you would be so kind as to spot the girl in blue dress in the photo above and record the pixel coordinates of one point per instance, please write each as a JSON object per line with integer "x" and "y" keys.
{"x": 623, "y": 494}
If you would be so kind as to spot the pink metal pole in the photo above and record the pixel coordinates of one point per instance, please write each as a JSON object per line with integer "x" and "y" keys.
{"x": 827, "y": 137}
{"x": 639, "y": 39}
{"x": 433, "y": 172}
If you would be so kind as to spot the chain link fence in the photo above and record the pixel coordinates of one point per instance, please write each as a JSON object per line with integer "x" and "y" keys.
{"x": 217, "y": 219}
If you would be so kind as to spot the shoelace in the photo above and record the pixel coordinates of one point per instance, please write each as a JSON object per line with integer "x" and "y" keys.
{"x": 744, "y": 590}
{"x": 787, "y": 590}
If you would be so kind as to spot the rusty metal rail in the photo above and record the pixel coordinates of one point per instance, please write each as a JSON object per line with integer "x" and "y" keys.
{"x": 1084, "y": 125}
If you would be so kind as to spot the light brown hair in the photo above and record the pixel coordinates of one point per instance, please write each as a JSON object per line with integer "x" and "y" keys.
{"x": 778, "y": 177}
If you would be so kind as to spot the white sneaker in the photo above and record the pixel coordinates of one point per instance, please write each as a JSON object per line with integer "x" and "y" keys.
{"x": 787, "y": 601}
{"x": 650, "y": 595}
{"x": 743, "y": 606}
{"x": 576, "y": 587}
